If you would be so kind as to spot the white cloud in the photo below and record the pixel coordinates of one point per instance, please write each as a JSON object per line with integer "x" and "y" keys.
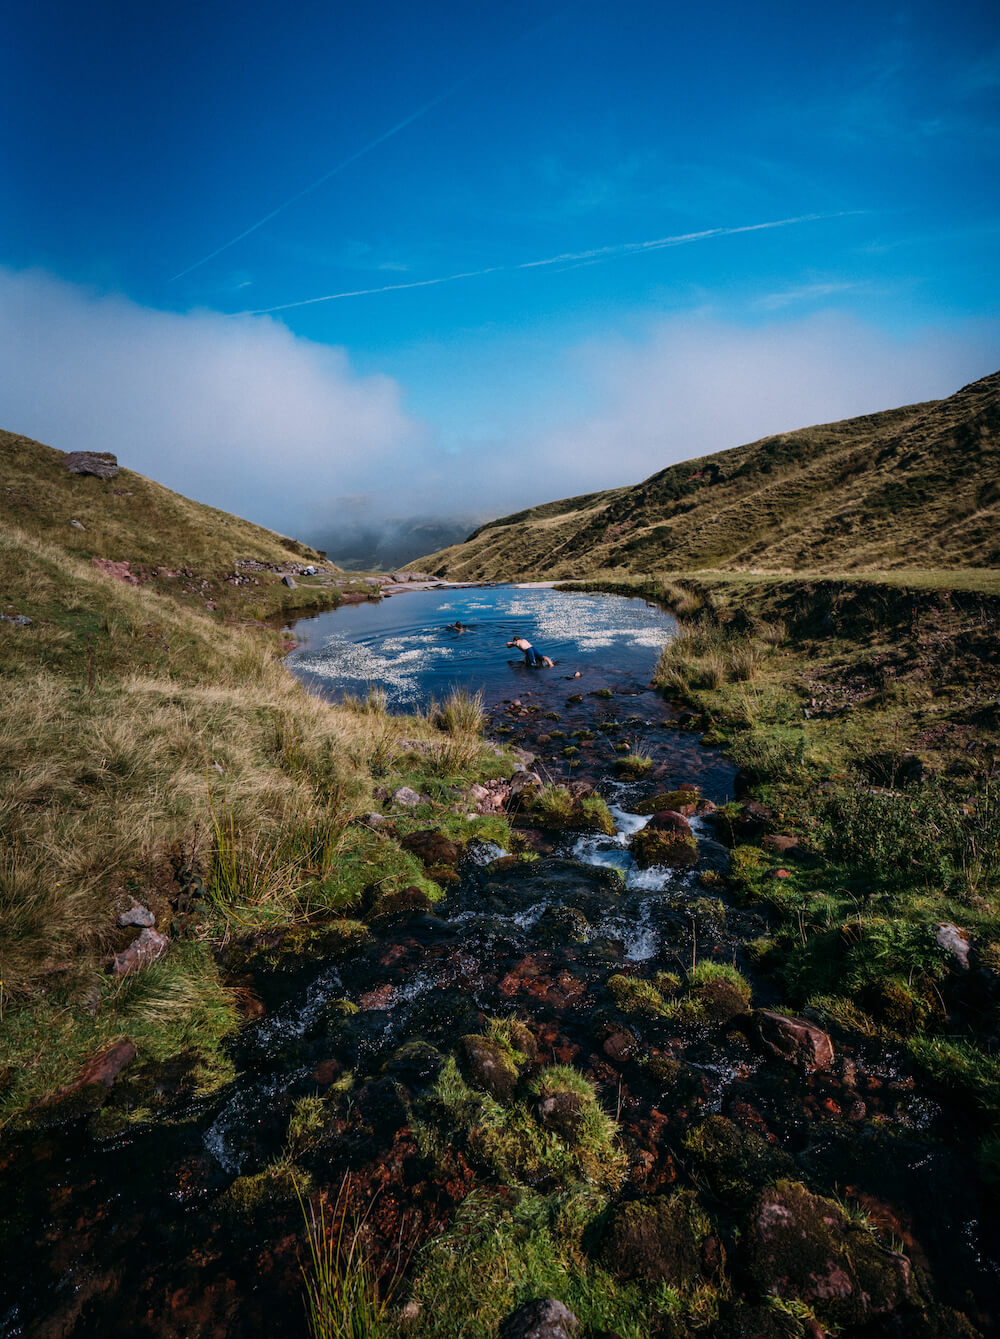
{"x": 691, "y": 385}
{"x": 235, "y": 411}
{"x": 239, "y": 412}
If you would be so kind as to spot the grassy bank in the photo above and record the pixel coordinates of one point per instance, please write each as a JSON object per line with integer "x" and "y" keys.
{"x": 865, "y": 716}
{"x": 153, "y": 750}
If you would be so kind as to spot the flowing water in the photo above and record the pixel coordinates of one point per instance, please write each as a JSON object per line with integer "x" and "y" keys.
{"x": 133, "y": 1231}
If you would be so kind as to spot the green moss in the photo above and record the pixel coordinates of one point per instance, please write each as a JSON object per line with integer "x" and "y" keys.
{"x": 662, "y": 1240}
{"x": 555, "y": 1133}
{"x": 501, "y": 1253}
{"x": 635, "y": 996}
{"x": 635, "y": 765}
{"x": 719, "y": 991}
{"x": 736, "y": 1162}
{"x": 248, "y": 1196}
{"x": 747, "y": 864}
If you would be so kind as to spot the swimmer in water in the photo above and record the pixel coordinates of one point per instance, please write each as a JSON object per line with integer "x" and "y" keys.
{"x": 531, "y": 656}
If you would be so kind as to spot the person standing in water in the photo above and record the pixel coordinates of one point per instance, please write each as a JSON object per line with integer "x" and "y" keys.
{"x": 531, "y": 656}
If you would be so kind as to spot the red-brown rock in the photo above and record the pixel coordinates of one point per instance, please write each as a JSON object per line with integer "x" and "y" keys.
{"x": 793, "y": 1039}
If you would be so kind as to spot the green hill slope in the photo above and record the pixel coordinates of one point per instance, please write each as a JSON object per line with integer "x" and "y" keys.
{"x": 912, "y": 487}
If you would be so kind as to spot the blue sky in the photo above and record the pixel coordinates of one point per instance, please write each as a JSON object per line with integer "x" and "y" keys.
{"x": 456, "y": 139}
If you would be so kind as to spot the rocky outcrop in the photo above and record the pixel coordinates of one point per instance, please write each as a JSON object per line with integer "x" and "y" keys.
{"x": 100, "y": 464}
{"x": 489, "y": 1066}
{"x": 137, "y": 915}
{"x": 119, "y": 571}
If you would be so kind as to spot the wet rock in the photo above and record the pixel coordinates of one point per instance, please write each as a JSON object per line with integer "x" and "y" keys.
{"x": 327, "y": 1071}
{"x": 490, "y": 1066}
{"x": 149, "y": 946}
{"x": 379, "y": 999}
{"x": 562, "y": 924}
{"x": 400, "y": 902}
{"x": 562, "y": 1111}
{"x": 803, "y": 1246}
{"x": 106, "y": 1065}
{"x": 547, "y": 1319}
{"x": 955, "y": 943}
{"x": 793, "y": 1039}
{"x": 666, "y": 839}
{"x": 406, "y": 796}
{"x": 431, "y": 847}
{"x": 620, "y": 1046}
{"x": 100, "y": 464}
{"x": 524, "y": 781}
{"x": 138, "y": 915}
{"x": 662, "y": 1240}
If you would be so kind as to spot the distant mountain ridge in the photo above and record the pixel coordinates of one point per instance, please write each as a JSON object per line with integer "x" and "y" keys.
{"x": 915, "y": 486}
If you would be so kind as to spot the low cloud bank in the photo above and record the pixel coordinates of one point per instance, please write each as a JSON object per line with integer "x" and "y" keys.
{"x": 236, "y": 412}
{"x": 241, "y": 413}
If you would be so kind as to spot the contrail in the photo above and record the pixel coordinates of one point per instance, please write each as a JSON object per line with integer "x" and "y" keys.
{"x": 314, "y": 185}
{"x": 547, "y": 22}
{"x": 597, "y": 254}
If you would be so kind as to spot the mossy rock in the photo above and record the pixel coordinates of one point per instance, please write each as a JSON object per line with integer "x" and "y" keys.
{"x": 251, "y": 1195}
{"x": 897, "y": 1005}
{"x": 562, "y": 925}
{"x": 489, "y": 1065}
{"x": 635, "y": 765}
{"x": 673, "y": 849}
{"x": 736, "y": 1162}
{"x": 720, "y": 991}
{"x": 415, "y": 1064}
{"x": 635, "y": 996}
{"x": 682, "y": 801}
{"x": 663, "y": 1070}
{"x": 400, "y": 902}
{"x": 803, "y": 1246}
{"x": 662, "y": 1240}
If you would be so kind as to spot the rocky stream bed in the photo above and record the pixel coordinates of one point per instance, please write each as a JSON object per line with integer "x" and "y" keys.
{"x": 751, "y": 1158}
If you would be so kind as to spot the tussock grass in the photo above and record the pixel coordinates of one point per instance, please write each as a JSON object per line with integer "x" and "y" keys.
{"x": 345, "y": 1297}
{"x": 143, "y": 746}
{"x": 462, "y": 713}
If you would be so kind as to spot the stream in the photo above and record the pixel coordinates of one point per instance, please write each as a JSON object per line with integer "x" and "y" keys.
{"x": 134, "y": 1231}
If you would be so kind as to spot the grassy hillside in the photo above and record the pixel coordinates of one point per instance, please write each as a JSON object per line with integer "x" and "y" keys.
{"x": 911, "y": 487}
{"x": 153, "y": 749}
{"x": 189, "y": 551}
